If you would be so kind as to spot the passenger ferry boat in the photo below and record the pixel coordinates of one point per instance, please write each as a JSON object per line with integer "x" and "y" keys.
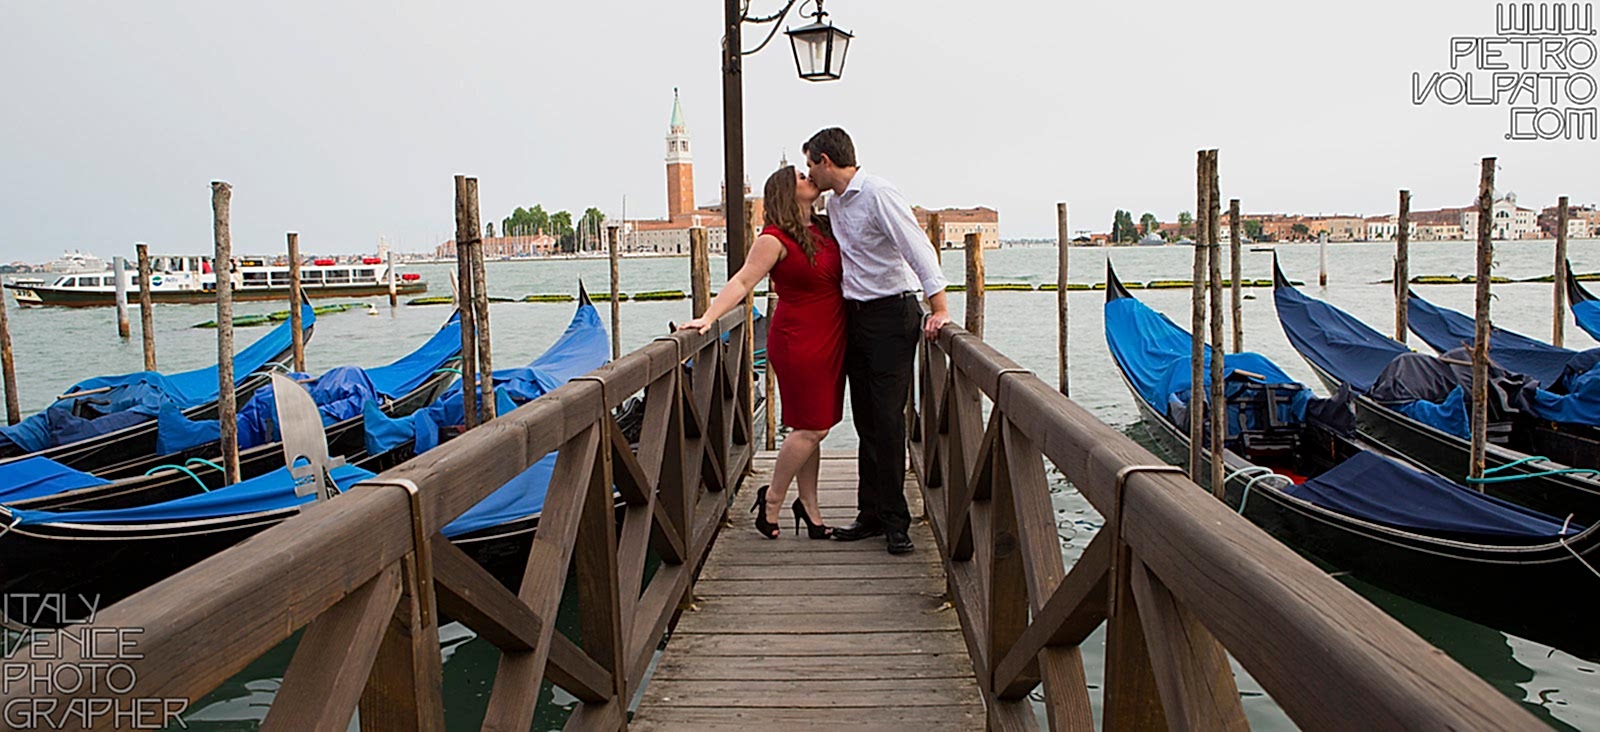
{"x": 190, "y": 279}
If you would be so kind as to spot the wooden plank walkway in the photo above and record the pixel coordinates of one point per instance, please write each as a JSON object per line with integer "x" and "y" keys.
{"x": 794, "y": 633}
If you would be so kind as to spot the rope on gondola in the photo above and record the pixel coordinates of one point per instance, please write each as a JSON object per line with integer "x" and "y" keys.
{"x": 1525, "y": 476}
{"x": 181, "y": 469}
{"x": 1562, "y": 541}
{"x": 1260, "y": 472}
{"x": 14, "y": 521}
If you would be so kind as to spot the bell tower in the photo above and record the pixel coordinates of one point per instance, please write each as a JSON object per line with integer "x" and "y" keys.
{"x": 680, "y": 165}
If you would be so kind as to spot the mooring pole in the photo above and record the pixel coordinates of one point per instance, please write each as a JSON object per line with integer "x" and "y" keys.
{"x": 147, "y": 315}
{"x": 466, "y": 234}
{"x": 1322, "y": 259}
{"x": 699, "y": 270}
{"x": 974, "y": 295}
{"x": 119, "y": 271}
{"x": 771, "y": 385}
{"x": 1235, "y": 246}
{"x": 612, "y": 234}
{"x": 1402, "y": 269}
{"x": 1480, "y": 342}
{"x": 1063, "y": 240}
{"x": 296, "y": 320}
{"x": 222, "y": 266}
{"x": 394, "y": 290}
{"x": 1219, "y": 430}
{"x": 1197, "y": 318}
{"x": 936, "y": 235}
{"x": 8, "y": 366}
{"x": 1558, "y": 320}
{"x": 480, "y": 307}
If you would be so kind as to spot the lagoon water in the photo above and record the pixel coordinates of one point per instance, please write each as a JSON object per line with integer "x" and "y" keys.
{"x": 57, "y": 347}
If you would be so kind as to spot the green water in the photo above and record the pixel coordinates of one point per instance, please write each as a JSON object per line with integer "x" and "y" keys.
{"x": 56, "y": 348}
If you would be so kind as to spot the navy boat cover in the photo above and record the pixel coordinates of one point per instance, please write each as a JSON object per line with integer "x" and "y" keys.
{"x": 1374, "y": 488}
{"x": 1445, "y": 329}
{"x": 137, "y": 397}
{"x": 1587, "y": 313}
{"x": 32, "y": 477}
{"x": 1338, "y": 344}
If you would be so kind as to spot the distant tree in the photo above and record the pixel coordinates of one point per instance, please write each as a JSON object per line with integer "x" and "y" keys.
{"x": 1148, "y": 222}
{"x": 1252, "y": 228}
{"x": 488, "y": 230}
{"x": 589, "y": 227}
{"x": 1185, "y": 223}
{"x": 1122, "y": 228}
{"x": 1300, "y": 229}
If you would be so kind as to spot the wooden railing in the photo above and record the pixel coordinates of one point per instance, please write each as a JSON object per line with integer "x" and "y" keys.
{"x": 1181, "y": 580}
{"x": 367, "y": 576}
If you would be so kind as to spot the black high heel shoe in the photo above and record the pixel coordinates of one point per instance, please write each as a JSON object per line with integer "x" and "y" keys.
{"x": 768, "y": 529}
{"x": 814, "y": 529}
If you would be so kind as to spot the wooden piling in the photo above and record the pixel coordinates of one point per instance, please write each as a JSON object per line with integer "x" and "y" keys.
{"x": 1197, "y": 318}
{"x": 1235, "y": 246}
{"x": 394, "y": 289}
{"x": 1063, "y": 241}
{"x": 296, "y": 320}
{"x": 1480, "y": 341}
{"x": 1219, "y": 430}
{"x": 771, "y": 387}
{"x": 1558, "y": 319}
{"x": 8, "y": 366}
{"x": 466, "y": 237}
{"x": 1402, "y": 268}
{"x": 974, "y": 294}
{"x": 222, "y": 266}
{"x": 699, "y": 270}
{"x": 936, "y": 235}
{"x": 119, "y": 271}
{"x": 1322, "y": 259}
{"x": 480, "y": 307}
{"x": 612, "y": 234}
{"x": 147, "y": 315}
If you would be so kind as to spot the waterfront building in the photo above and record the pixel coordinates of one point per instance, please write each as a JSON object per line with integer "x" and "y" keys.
{"x": 1509, "y": 221}
{"x": 956, "y": 223}
{"x": 505, "y": 247}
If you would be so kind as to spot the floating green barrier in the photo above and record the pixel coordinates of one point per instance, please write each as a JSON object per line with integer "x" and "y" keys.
{"x": 660, "y": 295}
{"x": 558, "y": 297}
{"x": 1169, "y": 284}
{"x": 1014, "y": 286}
{"x": 1437, "y": 280}
{"x": 246, "y": 321}
{"x": 1493, "y": 280}
{"x": 446, "y": 300}
{"x": 953, "y": 287}
{"x": 606, "y": 297}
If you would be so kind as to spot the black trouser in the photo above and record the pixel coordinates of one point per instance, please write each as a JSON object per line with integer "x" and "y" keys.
{"x": 879, "y": 358}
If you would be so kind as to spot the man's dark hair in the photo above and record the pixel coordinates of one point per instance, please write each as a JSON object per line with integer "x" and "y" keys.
{"x": 833, "y": 142}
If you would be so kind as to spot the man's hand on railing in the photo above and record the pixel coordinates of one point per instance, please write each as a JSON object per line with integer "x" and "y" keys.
{"x": 933, "y": 323}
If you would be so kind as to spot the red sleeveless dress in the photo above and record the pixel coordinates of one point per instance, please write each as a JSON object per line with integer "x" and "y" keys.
{"x": 806, "y": 338}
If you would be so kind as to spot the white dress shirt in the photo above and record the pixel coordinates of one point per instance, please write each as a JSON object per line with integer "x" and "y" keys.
{"x": 885, "y": 253}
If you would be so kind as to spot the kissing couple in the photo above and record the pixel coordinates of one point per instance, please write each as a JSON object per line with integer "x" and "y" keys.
{"x": 847, "y": 284}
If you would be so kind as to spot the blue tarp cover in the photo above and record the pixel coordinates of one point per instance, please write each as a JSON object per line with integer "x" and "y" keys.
{"x": 521, "y": 497}
{"x": 1337, "y": 343}
{"x": 582, "y": 348}
{"x": 1449, "y": 415}
{"x": 1154, "y": 354}
{"x": 1587, "y": 313}
{"x": 36, "y": 476}
{"x": 1445, "y": 329}
{"x": 136, "y": 397}
{"x": 1374, "y": 488}
{"x": 269, "y": 492}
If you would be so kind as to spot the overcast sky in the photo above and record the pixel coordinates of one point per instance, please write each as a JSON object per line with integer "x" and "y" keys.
{"x": 347, "y": 123}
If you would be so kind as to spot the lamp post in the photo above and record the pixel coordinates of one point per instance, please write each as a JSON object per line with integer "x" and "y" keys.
{"x": 819, "y": 54}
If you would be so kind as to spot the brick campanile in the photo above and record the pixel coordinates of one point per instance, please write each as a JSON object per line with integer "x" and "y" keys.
{"x": 680, "y": 165}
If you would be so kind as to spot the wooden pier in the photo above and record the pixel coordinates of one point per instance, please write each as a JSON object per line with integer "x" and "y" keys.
{"x": 796, "y": 633}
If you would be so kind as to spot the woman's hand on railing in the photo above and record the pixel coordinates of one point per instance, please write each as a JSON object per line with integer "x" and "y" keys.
{"x": 701, "y": 324}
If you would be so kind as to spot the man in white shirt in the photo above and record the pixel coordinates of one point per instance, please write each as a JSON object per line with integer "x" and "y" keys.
{"x": 887, "y": 258}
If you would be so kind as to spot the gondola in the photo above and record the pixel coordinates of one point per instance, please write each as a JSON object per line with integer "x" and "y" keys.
{"x": 111, "y": 419}
{"x": 1585, "y": 306}
{"x": 1296, "y": 468}
{"x": 1343, "y": 352}
{"x": 110, "y": 554}
{"x": 404, "y": 386}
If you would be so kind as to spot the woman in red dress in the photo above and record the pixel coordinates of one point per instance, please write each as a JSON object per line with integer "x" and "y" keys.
{"x": 805, "y": 340}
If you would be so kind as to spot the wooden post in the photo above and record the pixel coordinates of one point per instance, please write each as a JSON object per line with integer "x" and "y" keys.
{"x": 119, "y": 271}
{"x": 1219, "y": 430}
{"x": 1235, "y": 245}
{"x": 1402, "y": 268}
{"x": 480, "y": 306}
{"x": 1322, "y": 259}
{"x": 1558, "y": 320}
{"x": 1480, "y": 338}
{"x": 8, "y": 366}
{"x": 699, "y": 270}
{"x": 936, "y": 235}
{"x": 1197, "y": 318}
{"x": 771, "y": 386}
{"x": 1063, "y": 240}
{"x": 616, "y": 302}
{"x": 394, "y": 293}
{"x": 296, "y": 320}
{"x": 466, "y": 236}
{"x": 222, "y": 265}
{"x": 974, "y": 295}
{"x": 147, "y": 315}
{"x": 747, "y": 375}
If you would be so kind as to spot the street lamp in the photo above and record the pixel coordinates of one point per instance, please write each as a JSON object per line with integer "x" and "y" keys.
{"x": 819, "y": 48}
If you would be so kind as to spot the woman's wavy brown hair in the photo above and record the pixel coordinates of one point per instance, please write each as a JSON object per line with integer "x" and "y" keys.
{"x": 785, "y": 211}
